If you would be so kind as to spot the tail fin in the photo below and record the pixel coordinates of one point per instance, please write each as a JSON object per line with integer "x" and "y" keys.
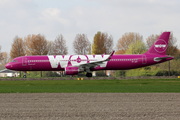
{"x": 160, "y": 45}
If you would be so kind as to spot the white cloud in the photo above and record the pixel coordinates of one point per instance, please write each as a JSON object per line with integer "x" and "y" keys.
{"x": 54, "y": 14}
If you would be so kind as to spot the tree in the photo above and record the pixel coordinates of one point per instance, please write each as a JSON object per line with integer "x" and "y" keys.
{"x": 119, "y": 73}
{"x": 81, "y": 44}
{"x": 1, "y": 57}
{"x": 36, "y": 45}
{"x": 172, "y": 46}
{"x": 120, "y": 52}
{"x": 28, "y": 44}
{"x": 51, "y": 47}
{"x": 102, "y": 43}
{"x": 60, "y": 46}
{"x": 151, "y": 39}
{"x": 5, "y": 58}
{"x": 126, "y": 39}
{"x": 138, "y": 47}
{"x": 17, "y": 48}
{"x": 90, "y": 51}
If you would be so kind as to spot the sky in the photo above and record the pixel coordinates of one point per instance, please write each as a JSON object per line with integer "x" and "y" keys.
{"x": 70, "y": 17}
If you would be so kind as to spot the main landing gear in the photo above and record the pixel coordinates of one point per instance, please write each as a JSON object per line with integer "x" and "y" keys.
{"x": 88, "y": 74}
{"x": 24, "y": 76}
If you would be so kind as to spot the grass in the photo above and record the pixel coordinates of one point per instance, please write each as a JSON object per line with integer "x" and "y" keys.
{"x": 92, "y": 86}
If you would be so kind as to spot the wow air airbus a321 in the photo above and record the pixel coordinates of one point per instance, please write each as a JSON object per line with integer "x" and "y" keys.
{"x": 73, "y": 64}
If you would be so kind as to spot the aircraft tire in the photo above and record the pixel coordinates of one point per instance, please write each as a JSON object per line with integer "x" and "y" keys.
{"x": 89, "y": 75}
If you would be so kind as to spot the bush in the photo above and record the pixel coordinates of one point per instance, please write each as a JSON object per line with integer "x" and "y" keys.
{"x": 166, "y": 73}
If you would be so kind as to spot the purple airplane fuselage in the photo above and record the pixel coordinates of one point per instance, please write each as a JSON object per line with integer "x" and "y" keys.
{"x": 117, "y": 62}
{"x": 73, "y": 64}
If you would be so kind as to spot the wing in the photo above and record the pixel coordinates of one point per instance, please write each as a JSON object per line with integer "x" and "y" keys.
{"x": 94, "y": 63}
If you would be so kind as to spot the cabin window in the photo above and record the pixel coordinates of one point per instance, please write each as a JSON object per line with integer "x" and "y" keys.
{"x": 14, "y": 61}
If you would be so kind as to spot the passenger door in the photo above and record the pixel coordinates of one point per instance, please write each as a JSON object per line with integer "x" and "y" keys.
{"x": 144, "y": 60}
{"x": 24, "y": 61}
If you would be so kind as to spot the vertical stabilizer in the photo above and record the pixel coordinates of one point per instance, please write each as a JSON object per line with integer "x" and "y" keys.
{"x": 160, "y": 45}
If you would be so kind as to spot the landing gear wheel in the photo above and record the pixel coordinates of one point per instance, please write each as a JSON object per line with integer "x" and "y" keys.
{"x": 24, "y": 76}
{"x": 89, "y": 75}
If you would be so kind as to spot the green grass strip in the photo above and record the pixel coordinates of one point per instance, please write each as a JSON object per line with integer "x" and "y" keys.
{"x": 92, "y": 86}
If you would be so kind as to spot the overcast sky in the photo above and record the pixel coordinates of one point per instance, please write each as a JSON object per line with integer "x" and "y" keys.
{"x": 70, "y": 17}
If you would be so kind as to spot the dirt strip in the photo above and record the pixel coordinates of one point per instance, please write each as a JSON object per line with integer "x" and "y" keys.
{"x": 90, "y": 106}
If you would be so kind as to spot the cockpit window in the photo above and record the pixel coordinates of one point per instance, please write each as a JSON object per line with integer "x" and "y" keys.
{"x": 14, "y": 61}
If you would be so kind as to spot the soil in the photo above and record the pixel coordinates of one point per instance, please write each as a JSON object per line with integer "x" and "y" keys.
{"x": 90, "y": 106}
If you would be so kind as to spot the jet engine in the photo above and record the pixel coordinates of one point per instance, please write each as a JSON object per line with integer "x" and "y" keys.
{"x": 71, "y": 70}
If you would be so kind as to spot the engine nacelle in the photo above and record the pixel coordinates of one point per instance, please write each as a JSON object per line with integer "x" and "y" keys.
{"x": 71, "y": 70}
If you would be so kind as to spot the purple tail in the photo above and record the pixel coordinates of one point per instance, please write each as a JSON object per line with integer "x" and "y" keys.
{"x": 160, "y": 45}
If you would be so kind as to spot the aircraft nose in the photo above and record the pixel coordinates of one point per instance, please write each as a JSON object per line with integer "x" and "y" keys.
{"x": 8, "y": 66}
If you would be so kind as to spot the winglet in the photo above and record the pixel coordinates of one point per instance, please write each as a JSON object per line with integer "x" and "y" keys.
{"x": 110, "y": 56}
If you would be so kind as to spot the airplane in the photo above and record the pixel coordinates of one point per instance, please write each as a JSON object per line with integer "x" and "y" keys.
{"x": 74, "y": 64}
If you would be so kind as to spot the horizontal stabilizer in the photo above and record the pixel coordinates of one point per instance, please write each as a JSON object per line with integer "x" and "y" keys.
{"x": 161, "y": 58}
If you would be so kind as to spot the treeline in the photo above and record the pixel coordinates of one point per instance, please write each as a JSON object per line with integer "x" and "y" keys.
{"x": 128, "y": 43}
{"x": 39, "y": 45}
